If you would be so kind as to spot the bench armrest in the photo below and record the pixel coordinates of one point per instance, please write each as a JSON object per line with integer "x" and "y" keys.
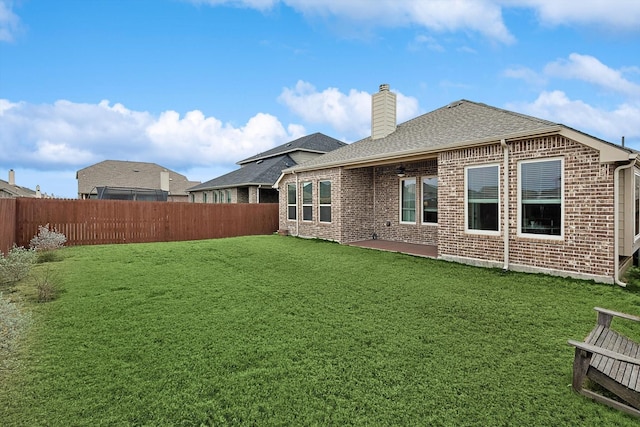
{"x": 617, "y": 314}
{"x": 604, "y": 352}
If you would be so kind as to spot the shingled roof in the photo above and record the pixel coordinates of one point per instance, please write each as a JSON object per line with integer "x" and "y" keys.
{"x": 15, "y": 190}
{"x": 314, "y": 143}
{"x": 457, "y": 124}
{"x": 262, "y": 172}
{"x": 121, "y": 173}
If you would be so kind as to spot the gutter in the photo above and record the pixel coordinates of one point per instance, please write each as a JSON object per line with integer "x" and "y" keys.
{"x": 505, "y": 195}
{"x": 616, "y": 218}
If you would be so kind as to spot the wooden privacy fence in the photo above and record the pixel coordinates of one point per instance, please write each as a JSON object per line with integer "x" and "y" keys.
{"x": 91, "y": 222}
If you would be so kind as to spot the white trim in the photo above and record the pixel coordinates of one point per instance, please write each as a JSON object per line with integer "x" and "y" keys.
{"x": 468, "y": 230}
{"x": 519, "y": 232}
{"x": 415, "y": 208}
{"x": 422, "y": 221}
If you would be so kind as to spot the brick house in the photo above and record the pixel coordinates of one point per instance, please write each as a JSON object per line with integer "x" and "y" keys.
{"x": 253, "y": 181}
{"x": 486, "y": 186}
{"x": 125, "y": 180}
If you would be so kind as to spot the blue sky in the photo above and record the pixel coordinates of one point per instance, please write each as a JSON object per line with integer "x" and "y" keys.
{"x": 196, "y": 85}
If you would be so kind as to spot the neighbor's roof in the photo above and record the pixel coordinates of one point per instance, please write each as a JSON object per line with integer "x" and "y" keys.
{"x": 314, "y": 143}
{"x": 15, "y": 190}
{"x": 120, "y": 173}
{"x": 262, "y": 172}
{"x": 461, "y": 123}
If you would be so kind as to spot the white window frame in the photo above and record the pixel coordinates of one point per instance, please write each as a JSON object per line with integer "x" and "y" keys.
{"x": 295, "y": 201}
{"x": 562, "y": 211}
{"x": 415, "y": 201}
{"x": 228, "y": 194}
{"x": 204, "y": 197}
{"x": 310, "y": 203}
{"x": 466, "y": 202}
{"x": 325, "y": 205}
{"x": 424, "y": 222}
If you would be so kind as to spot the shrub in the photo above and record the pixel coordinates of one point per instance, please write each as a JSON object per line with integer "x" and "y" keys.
{"x": 16, "y": 264}
{"x": 12, "y": 323}
{"x": 47, "y": 239}
{"x": 46, "y": 242}
{"x": 47, "y": 286}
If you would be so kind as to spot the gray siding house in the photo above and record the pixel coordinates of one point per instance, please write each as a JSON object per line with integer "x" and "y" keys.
{"x": 480, "y": 184}
{"x": 253, "y": 181}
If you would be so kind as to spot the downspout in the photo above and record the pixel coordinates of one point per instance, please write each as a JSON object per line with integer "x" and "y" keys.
{"x": 297, "y": 210}
{"x": 505, "y": 196}
{"x": 616, "y": 219}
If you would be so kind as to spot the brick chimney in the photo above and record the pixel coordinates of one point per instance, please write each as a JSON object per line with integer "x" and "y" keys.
{"x": 12, "y": 177}
{"x": 383, "y": 113}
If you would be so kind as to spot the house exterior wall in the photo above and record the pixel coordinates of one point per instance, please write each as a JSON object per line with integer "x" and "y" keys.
{"x": 587, "y": 246}
{"x": 314, "y": 228}
{"x": 356, "y": 205}
{"x": 199, "y": 196}
{"x": 387, "y": 205}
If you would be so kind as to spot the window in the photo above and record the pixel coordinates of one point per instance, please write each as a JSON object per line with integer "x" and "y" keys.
{"x": 325, "y": 201}
{"x": 540, "y": 193}
{"x": 215, "y": 196}
{"x": 481, "y": 192}
{"x": 637, "y": 203}
{"x": 408, "y": 200}
{"x": 292, "y": 208}
{"x": 430, "y": 200}
{"x": 193, "y": 197}
{"x": 307, "y": 201}
{"x": 228, "y": 196}
{"x": 204, "y": 197}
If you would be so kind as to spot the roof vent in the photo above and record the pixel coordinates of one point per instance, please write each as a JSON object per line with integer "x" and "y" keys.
{"x": 259, "y": 161}
{"x": 288, "y": 145}
{"x": 454, "y": 104}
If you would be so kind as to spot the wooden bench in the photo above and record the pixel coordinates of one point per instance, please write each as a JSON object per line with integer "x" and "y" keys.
{"x": 611, "y": 360}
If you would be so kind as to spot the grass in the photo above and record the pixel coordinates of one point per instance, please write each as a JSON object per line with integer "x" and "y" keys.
{"x": 274, "y": 330}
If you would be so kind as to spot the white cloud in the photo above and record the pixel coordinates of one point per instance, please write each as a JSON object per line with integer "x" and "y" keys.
{"x": 349, "y": 113}
{"x": 9, "y": 22}
{"x": 611, "y": 14}
{"x": 591, "y": 70}
{"x": 610, "y": 125}
{"x": 526, "y": 74}
{"x": 480, "y": 16}
{"x": 73, "y": 135}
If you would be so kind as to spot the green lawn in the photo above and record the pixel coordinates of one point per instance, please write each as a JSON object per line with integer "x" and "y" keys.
{"x": 274, "y": 330}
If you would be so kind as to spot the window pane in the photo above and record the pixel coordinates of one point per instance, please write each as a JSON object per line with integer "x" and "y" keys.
{"x": 482, "y": 198}
{"x": 291, "y": 194}
{"x": 325, "y": 213}
{"x": 307, "y": 213}
{"x": 430, "y": 199}
{"x": 307, "y": 193}
{"x": 325, "y": 192}
{"x": 408, "y": 200}
{"x": 541, "y": 196}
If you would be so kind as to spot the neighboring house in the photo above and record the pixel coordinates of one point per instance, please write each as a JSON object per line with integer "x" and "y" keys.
{"x": 253, "y": 182}
{"x": 487, "y": 186}
{"x": 124, "y": 180}
{"x": 9, "y": 189}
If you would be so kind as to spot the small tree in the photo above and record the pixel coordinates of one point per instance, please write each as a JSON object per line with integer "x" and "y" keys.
{"x": 47, "y": 239}
{"x": 16, "y": 264}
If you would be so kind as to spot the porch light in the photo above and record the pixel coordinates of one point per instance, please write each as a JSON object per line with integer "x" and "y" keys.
{"x": 400, "y": 171}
